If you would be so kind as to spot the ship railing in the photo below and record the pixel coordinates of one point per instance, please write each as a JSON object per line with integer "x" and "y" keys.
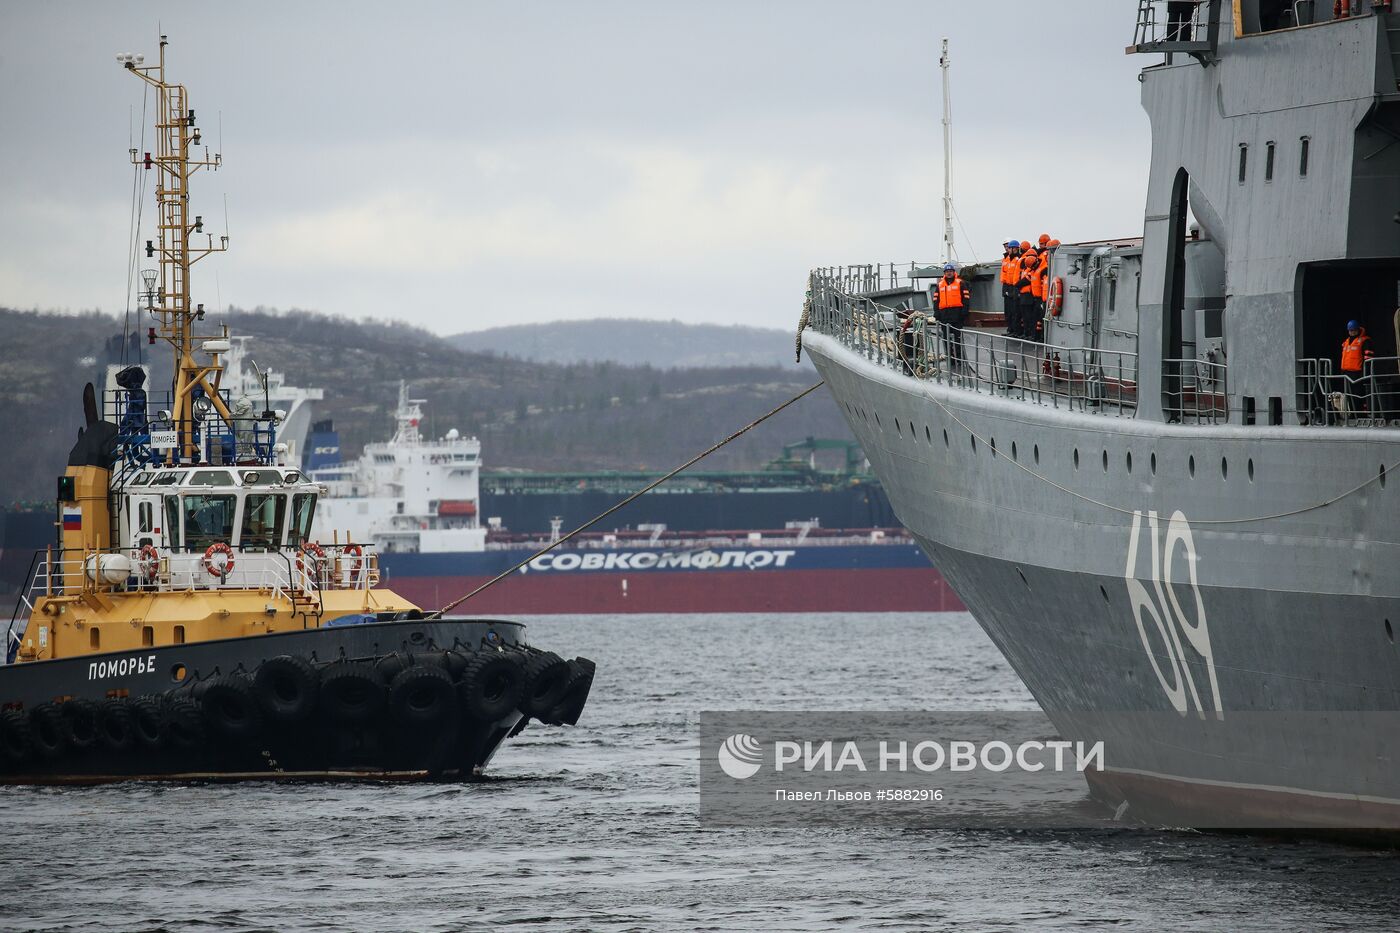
{"x": 19, "y": 617}
{"x": 280, "y": 572}
{"x": 242, "y": 439}
{"x": 1084, "y": 379}
{"x": 1196, "y": 391}
{"x": 1369, "y": 399}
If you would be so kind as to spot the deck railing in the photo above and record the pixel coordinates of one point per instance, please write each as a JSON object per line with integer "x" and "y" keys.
{"x": 1077, "y": 378}
{"x": 1370, "y": 398}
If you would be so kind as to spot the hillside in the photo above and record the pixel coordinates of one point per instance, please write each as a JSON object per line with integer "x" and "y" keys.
{"x": 665, "y": 344}
{"x": 540, "y": 416}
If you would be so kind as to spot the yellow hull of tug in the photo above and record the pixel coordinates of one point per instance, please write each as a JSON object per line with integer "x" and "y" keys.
{"x": 65, "y": 626}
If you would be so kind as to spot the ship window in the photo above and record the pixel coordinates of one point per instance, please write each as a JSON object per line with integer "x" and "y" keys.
{"x": 1303, "y": 157}
{"x": 1244, "y": 161}
{"x": 177, "y": 635}
{"x": 166, "y": 479}
{"x": 172, "y": 521}
{"x": 261, "y": 477}
{"x": 211, "y": 478}
{"x": 148, "y": 636}
{"x": 208, "y": 519}
{"x": 1269, "y": 161}
{"x": 146, "y": 514}
{"x": 263, "y": 516}
{"x": 94, "y": 638}
{"x": 1112, "y": 295}
{"x": 142, "y": 479}
{"x": 303, "y": 511}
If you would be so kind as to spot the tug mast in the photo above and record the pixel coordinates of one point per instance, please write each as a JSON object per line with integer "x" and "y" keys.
{"x": 170, "y": 302}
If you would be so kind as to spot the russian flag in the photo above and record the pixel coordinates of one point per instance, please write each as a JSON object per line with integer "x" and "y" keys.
{"x": 73, "y": 519}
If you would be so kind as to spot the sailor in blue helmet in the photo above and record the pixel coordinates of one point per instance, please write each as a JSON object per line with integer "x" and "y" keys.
{"x": 1010, "y": 275}
{"x": 953, "y": 300}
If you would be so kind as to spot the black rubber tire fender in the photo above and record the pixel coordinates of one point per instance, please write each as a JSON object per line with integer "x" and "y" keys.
{"x": 491, "y": 685}
{"x": 422, "y": 696}
{"x": 546, "y": 678}
{"x": 148, "y": 722}
{"x": 15, "y": 745}
{"x": 48, "y": 730}
{"x": 184, "y": 725}
{"x": 116, "y": 727}
{"x": 351, "y": 691}
{"x": 391, "y": 665}
{"x": 287, "y": 687}
{"x": 570, "y": 707}
{"x": 230, "y": 707}
{"x": 81, "y": 716}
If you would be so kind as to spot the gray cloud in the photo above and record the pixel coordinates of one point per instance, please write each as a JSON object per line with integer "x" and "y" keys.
{"x": 465, "y": 165}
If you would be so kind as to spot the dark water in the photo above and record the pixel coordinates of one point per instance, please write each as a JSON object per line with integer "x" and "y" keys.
{"x": 595, "y": 827}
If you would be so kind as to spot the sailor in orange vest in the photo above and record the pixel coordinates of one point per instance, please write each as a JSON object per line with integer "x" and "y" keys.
{"x": 1010, "y": 272}
{"x": 1035, "y": 326}
{"x": 1356, "y": 350}
{"x": 1025, "y": 298}
{"x": 954, "y": 300}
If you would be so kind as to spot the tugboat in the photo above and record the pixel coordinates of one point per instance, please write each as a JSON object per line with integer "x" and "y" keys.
{"x": 187, "y": 626}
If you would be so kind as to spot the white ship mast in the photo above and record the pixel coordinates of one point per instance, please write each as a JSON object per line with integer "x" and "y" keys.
{"x": 949, "y": 252}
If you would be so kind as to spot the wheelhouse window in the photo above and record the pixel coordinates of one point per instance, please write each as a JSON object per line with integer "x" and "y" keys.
{"x": 303, "y": 511}
{"x": 208, "y": 520}
{"x": 263, "y": 517}
{"x": 211, "y": 478}
{"x": 265, "y": 477}
{"x": 172, "y": 521}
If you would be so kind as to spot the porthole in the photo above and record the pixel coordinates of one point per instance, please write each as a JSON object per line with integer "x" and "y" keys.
{"x": 177, "y": 672}
{"x": 1105, "y": 461}
{"x": 1250, "y": 467}
{"x": 1191, "y": 465}
{"x": 1224, "y": 468}
{"x": 1153, "y": 463}
{"x": 1129, "y": 461}
{"x": 1076, "y": 458}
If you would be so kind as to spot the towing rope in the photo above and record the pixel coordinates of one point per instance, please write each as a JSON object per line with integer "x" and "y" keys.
{"x": 636, "y": 495}
{"x": 924, "y": 390}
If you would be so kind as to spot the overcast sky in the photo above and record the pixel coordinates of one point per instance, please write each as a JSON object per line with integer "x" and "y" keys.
{"x": 463, "y": 165}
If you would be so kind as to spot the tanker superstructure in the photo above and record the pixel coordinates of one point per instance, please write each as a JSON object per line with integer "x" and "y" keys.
{"x": 1177, "y": 504}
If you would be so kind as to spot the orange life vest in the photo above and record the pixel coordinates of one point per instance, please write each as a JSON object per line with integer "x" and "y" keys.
{"x": 1010, "y": 267}
{"x": 950, "y": 294}
{"x": 1027, "y": 273}
{"x": 1355, "y": 352}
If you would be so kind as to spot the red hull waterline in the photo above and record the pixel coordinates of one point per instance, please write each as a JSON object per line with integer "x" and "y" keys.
{"x": 883, "y": 590}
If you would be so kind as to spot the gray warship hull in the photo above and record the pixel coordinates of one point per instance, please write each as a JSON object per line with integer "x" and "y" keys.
{"x": 1174, "y": 510}
{"x": 1271, "y": 643}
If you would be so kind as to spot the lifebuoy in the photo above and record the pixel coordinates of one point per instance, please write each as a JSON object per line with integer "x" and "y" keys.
{"x": 357, "y": 561}
{"x": 1055, "y": 300}
{"x": 315, "y": 552}
{"x": 148, "y": 562}
{"x": 216, "y": 568}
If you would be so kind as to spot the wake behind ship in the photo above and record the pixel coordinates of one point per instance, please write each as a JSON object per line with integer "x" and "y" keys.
{"x": 1175, "y": 514}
